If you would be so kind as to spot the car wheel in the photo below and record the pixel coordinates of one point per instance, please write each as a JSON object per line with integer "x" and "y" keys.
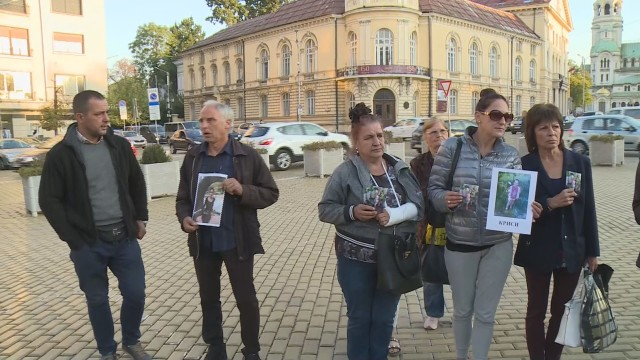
{"x": 513, "y": 132}
{"x": 579, "y": 147}
{"x": 4, "y": 164}
{"x": 172, "y": 148}
{"x": 283, "y": 159}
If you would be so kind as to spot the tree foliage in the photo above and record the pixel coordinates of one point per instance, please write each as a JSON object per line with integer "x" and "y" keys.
{"x": 54, "y": 114}
{"x": 149, "y": 48}
{"x": 183, "y": 35}
{"x": 579, "y": 81}
{"x": 230, "y": 12}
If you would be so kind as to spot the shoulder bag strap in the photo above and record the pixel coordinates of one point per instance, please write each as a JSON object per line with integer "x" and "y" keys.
{"x": 454, "y": 163}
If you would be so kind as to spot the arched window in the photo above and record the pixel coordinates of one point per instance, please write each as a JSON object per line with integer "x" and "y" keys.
{"x": 473, "y": 59}
{"x": 192, "y": 77}
{"x": 286, "y": 60}
{"x": 227, "y": 73}
{"x": 518, "y": 105}
{"x": 518, "y": 69}
{"x": 623, "y": 104}
{"x": 214, "y": 75}
{"x": 311, "y": 102}
{"x": 286, "y": 104}
{"x": 493, "y": 62}
{"x": 613, "y": 104}
{"x": 353, "y": 49}
{"x": 240, "y": 68}
{"x": 474, "y": 100}
{"x": 203, "y": 76}
{"x": 351, "y": 100}
{"x": 384, "y": 47}
{"x": 311, "y": 50}
{"x": 532, "y": 101}
{"x": 453, "y": 102}
{"x": 532, "y": 71}
{"x": 624, "y": 63}
{"x": 413, "y": 41}
{"x": 264, "y": 64}
{"x": 607, "y": 9}
{"x": 240, "y": 108}
{"x": 451, "y": 54}
{"x": 414, "y": 104}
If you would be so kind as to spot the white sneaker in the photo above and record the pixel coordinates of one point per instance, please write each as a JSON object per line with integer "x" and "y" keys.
{"x": 430, "y": 323}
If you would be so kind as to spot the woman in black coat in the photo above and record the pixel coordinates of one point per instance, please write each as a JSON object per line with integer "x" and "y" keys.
{"x": 565, "y": 236}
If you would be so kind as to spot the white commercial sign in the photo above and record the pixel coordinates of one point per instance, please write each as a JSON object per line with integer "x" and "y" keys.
{"x": 154, "y": 104}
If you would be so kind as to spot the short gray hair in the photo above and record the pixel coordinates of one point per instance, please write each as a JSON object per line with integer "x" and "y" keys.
{"x": 225, "y": 110}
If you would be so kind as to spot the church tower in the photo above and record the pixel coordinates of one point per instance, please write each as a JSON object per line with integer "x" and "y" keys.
{"x": 606, "y": 45}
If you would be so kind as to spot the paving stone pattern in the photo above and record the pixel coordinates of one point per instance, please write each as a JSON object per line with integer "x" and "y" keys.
{"x": 43, "y": 313}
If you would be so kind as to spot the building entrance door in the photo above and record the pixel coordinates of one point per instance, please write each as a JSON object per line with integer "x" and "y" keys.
{"x": 384, "y": 105}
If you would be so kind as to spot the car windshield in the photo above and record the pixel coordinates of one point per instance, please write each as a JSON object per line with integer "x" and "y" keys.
{"x": 191, "y": 125}
{"x": 129, "y": 134}
{"x": 632, "y": 121}
{"x": 256, "y": 131}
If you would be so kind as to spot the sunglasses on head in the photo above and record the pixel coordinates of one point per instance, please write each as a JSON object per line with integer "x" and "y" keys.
{"x": 497, "y": 115}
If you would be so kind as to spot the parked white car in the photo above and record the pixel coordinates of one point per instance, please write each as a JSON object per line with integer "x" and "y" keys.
{"x": 404, "y": 128}
{"x": 134, "y": 138}
{"x": 284, "y": 140}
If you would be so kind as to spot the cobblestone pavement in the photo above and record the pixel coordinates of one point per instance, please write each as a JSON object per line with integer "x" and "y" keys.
{"x": 43, "y": 314}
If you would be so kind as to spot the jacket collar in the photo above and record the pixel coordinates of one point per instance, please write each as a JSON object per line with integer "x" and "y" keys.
{"x": 72, "y": 130}
{"x": 568, "y": 164}
{"x": 363, "y": 171}
{"x": 498, "y": 146}
{"x": 237, "y": 147}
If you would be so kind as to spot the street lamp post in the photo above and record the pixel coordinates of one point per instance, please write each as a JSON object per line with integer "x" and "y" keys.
{"x": 168, "y": 93}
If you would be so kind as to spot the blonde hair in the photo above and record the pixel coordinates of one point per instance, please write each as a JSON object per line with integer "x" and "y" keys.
{"x": 429, "y": 123}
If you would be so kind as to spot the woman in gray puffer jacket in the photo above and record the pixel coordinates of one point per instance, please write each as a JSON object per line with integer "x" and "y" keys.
{"x": 478, "y": 260}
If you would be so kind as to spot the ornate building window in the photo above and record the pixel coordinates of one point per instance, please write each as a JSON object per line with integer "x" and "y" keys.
{"x": 240, "y": 108}
{"x": 473, "y": 58}
{"x": 203, "y": 76}
{"x": 493, "y": 62}
{"x": 311, "y": 50}
{"x": 351, "y": 100}
{"x": 384, "y": 47}
{"x": 227, "y": 73}
{"x": 532, "y": 101}
{"x": 264, "y": 64}
{"x": 311, "y": 102}
{"x": 518, "y": 105}
{"x": 453, "y": 102}
{"x": 286, "y": 104}
{"x": 452, "y": 45}
{"x": 192, "y": 77}
{"x": 264, "y": 106}
{"x": 214, "y": 75}
{"x": 413, "y": 41}
{"x": 475, "y": 96}
{"x": 353, "y": 49}
{"x": 286, "y": 60}
{"x": 240, "y": 68}
{"x": 518, "y": 69}
{"x": 532, "y": 71}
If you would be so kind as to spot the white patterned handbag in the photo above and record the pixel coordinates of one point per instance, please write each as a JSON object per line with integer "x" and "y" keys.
{"x": 569, "y": 332}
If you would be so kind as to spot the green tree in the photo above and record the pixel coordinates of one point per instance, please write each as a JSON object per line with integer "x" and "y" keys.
{"x": 54, "y": 115}
{"x": 230, "y": 12}
{"x": 579, "y": 82}
{"x": 149, "y": 48}
{"x": 184, "y": 35}
{"x": 125, "y": 84}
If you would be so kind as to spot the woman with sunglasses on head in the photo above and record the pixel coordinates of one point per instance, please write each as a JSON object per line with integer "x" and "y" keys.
{"x": 478, "y": 260}
{"x": 564, "y": 238}
{"x": 370, "y": 177}
{"x": 434, "y": 134}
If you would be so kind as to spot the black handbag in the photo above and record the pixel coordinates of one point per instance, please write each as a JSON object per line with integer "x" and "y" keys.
{"x": 433, "y": 268}
{"x": 398, "y": 263}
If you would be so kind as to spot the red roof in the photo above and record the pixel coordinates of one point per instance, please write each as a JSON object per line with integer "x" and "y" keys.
{"x": 301, "y": 10}
{"x": 510, "y": 3}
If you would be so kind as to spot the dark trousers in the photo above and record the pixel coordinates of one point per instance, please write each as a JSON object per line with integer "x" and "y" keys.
{"x": 370, "y": 312}
{"x": 208, "y": 270}
{"x": 124, "y": 259}
{"x": 564, "y": 284}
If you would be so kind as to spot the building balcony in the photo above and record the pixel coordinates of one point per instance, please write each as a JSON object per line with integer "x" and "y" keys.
{"x": 367, "y": 70}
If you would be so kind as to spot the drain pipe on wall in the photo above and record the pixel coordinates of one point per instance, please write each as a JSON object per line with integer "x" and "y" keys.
{"x": 430, "y": 113}
{"x": 335, "y": 82}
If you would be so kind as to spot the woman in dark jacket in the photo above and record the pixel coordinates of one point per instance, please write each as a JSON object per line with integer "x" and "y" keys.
{"x": 564, "y": 237}
{"x": 434, "y": 134}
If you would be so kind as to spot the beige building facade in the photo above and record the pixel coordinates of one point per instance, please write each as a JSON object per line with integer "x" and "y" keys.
{"x": 314, "y": 59}
{"x": 49, "y": 51}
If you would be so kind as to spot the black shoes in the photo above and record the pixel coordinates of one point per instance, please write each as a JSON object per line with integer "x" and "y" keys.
{"x": 252, "y": 357}
{"x": 217, "y": 353}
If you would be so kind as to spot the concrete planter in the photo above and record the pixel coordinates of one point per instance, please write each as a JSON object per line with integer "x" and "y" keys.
{"x": 30, "y": 188}
{"x": 522, "y": 146}
{"x": 162, "y": 179}
{"x": 611, "y": 154}
{"x": 397, "y": 149}
{"x": 322, "y": 162}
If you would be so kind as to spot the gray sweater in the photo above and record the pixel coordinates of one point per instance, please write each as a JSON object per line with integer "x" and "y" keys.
{"x": 464, "y": 226}
{"x": 346, "y": 188}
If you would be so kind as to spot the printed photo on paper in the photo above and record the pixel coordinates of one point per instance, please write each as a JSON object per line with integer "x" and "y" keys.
{"x": 574, "y": 179}
{"x": 469, "y": 197}
{"x": 375, "y": 196}
{"x": 510, "y": 198}
{"x": 207, "y": 209}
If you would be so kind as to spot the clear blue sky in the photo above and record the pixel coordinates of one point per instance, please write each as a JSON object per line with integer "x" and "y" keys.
{"x": 124, "y": 17}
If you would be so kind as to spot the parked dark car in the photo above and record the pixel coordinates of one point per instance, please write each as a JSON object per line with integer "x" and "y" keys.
{"x": 517, "y": 125}
{"x": 456, "y": 128}
{"x": 185, "y": 140}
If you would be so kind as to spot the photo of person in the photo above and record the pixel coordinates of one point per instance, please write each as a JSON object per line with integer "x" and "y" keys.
{"x": 375, "y": 196}
{"x": 469, "y": 195}
{"x": 512, "y": 195}
{"x": 574, "y": 179}
{"x": 208, "y": 209}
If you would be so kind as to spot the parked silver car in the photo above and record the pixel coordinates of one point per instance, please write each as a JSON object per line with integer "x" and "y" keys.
{"x": 583, "y": 128}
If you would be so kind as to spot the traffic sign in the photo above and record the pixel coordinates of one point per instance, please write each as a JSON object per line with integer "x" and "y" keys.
{"x": 154, "y": 104}
{"x": 446, "y": 85}
{"x": 122, "y": 107}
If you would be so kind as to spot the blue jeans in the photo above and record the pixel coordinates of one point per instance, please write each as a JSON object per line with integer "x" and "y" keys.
{"x": 125, "y": 261}
{"x": 433, "y": 299}
{"x": 370, "y": 312}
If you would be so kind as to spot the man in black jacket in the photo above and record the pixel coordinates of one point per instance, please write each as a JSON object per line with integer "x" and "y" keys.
{"x": 93, "y": 194}
{"x": 248, "y": 186}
